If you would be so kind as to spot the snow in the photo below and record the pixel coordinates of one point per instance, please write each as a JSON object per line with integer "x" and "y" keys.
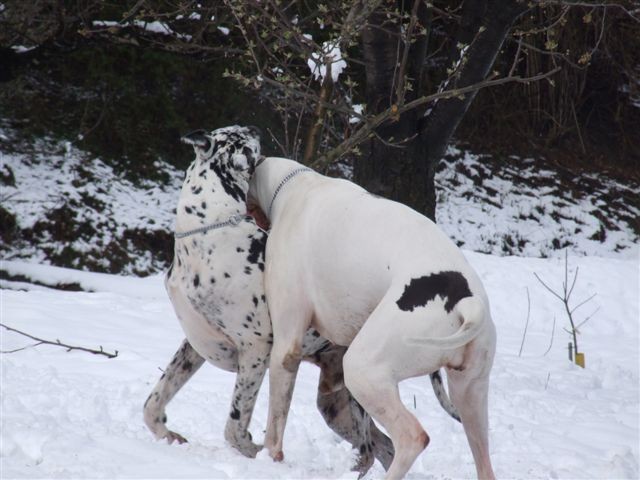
{"x": 73, "y": 414}
{"x": 358, "y": 108}
{"x": 21, "y": 48}
{"x": 57, "y": 174}
{"x": 330, "y": 54}
{"x": 526, "y": 209}
{"x": 155, "y": 26}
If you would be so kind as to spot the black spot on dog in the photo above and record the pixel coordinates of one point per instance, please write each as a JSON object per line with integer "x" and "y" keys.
{"x": 204, "y": 205}
{"x": 330, "y": 412}
{"x": 247, "y": 270}
{"x": 420, "y": 291}
{"x": 226, "y": 275}
{"x": 187, "y": 366}
{"x": 239, "y": 249}
{"x": 228, "y": 183}
{"x": 249, "y": 318}
{"x": 196, "y": 280}
{"x": 212, "y": 280}
{"x": 255, "y": 301}
{"x": 235, "y": 413}
{"x": 170, "y": 271}
{"x": 256, "y": 251}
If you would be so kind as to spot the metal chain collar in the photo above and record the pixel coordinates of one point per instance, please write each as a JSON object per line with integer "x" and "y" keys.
{"x": 230, "y": 222}
{"x": 284, "y": 181}
{"x": 236, "y": 219}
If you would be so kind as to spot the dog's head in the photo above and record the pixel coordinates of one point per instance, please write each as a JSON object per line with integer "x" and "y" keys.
{"x": 231, "y": 148}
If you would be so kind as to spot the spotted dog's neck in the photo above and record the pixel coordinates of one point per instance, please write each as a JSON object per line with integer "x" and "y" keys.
{"x": 210, "y": 193}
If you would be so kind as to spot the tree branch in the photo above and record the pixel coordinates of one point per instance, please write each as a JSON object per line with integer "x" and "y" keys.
{"x": 56, "y": 343}
{"x": 377, "y": 120}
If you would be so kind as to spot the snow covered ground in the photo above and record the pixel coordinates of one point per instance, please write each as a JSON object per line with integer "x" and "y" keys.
{"x": 76, "y": 415}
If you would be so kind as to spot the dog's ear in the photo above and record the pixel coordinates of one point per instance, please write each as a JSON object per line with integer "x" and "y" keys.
{"x": 199, "y": 139}
{"x": 245, "y": 159}
{"x": 255, "y": 131}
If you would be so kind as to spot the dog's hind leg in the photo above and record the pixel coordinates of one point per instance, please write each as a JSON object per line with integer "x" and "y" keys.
{"x": 344, "y": 415}
{"x": 379, "y": 395}
{"x": 252, "y": 365}
{"x": 185, "y": 362}
{"x": 469, "y": 390}
{"x": 373, "y": 366}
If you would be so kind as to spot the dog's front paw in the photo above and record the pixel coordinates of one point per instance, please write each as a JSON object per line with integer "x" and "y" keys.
{"x": 247, "y": 448}
{"x": 175, "y": 437}
{"x": 364, "y": 461}
{"x": 277, "y": 456}
{"x": 241, "y": 441}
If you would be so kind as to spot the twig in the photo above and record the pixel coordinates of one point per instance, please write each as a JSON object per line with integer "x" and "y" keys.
{"x": 406, "y": 41}
{"x": 588, "y": 318}
{"x": 382, "y": 117}
{"x": 553, "y": 330}
{"x": 582, "y": 303}
{"x": 526, "y": 325}
{"x": 57, "y": 343}
{"x": 605, "y": 5}
{"x": 516, "y": 58}
{"x": 565, "y": 297}
{"x": 547, "y": 287}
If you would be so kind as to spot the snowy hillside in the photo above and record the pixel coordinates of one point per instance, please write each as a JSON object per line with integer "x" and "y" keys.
{"x": 74, "y": 210}
{"x": 62, "y": 206}
{"x": 76, "y": 415}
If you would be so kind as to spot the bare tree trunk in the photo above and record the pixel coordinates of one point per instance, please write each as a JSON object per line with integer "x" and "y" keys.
{"x": 405, "y": 171}
{"x": 388, "y": 166}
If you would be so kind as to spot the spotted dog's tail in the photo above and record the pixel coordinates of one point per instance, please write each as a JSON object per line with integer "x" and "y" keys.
{"x": 443, "y": 396}
{"x": 472, "y": 311}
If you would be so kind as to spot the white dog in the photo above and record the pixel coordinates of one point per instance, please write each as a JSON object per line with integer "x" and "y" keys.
{"x": 377, "y": 276}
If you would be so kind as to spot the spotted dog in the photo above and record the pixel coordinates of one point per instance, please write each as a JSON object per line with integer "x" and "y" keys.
{"x": 378, "y": 277}
{"x": 216, "y": 287}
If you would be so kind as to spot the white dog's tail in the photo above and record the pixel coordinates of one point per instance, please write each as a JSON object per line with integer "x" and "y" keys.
{"x": 472, "y": 311}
